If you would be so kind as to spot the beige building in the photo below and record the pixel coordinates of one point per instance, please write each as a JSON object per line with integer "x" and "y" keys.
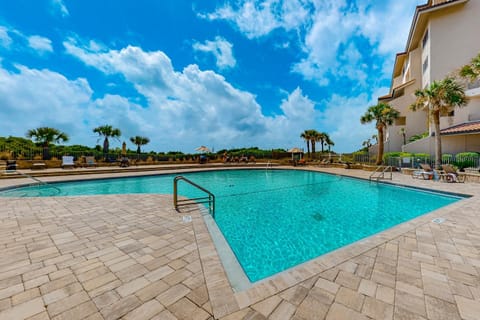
{"x": 444, "y": 36}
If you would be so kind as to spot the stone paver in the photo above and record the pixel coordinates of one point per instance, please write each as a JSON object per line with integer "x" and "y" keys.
{"x": 133, "y": 257}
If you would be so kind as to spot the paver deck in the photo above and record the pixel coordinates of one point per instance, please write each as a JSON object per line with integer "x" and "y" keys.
{"x": 134, "y": 257}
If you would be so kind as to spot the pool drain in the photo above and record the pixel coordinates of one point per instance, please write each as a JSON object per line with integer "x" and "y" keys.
{"x": 317, "y": 216}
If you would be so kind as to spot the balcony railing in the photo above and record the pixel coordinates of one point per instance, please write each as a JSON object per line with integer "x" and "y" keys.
{"x": 473, "y": 85}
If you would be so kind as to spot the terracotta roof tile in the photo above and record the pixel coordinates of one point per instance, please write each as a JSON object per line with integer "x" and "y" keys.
{"x": 466, "y": 127}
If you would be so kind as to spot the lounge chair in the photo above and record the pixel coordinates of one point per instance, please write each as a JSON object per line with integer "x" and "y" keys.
{"x": 90, "y": 162}
{"x": 8, "y": 165}
{"x": 426, "y": 173}
{"x": 11, "y": 165}
{"x": 38, "y": 166}
{"x": 449, "y": 174}
{"x": 67, "y": 162}
{"x": 124, "y": 162}
{"x": 202, "y": 159}
{"x": 324, "y": 162}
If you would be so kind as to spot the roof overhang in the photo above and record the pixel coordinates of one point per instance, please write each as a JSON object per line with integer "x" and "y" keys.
{"x": 471, "y": 127}
{"x": 398, "y": 65}
{"x": 420, "y": 20}
{"x": 419, "y": 23}
{"x": 391, "y": 95}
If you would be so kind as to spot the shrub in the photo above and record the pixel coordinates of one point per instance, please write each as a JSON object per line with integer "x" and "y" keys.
{"x": 5, "y": 155}
{"x": 446, "y": 157}
{"x": 396, "y": 154}
{"x": 466, "y": 160}
{"x": 466, "y": 156}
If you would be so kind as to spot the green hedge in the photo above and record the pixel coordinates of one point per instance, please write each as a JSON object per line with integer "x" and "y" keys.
{"x": 396, "y": 154}
{"x": 466, "y": 156}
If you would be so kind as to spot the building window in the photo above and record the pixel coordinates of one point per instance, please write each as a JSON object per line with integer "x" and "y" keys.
{"x": 401, "y": 121}
{"x": 425, "y": 39}
{"x": 425, "y": 64}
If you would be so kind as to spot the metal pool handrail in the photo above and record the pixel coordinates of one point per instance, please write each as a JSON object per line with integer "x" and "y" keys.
{"x": 210, "y": 199}
{"x": 38, "y": 181}
{"x": 381, "y": 174}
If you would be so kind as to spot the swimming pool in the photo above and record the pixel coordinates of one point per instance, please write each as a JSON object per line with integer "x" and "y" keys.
{"x": 276, "y": 219}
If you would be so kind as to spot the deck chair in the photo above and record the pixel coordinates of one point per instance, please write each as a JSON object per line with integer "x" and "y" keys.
{"x": 324, "y": 162}
{"x": 67, "y": 162}
{"x": 90, "y": 162}
{"x": 450, "y": 174}
{"x": 301, "y": 162}
{"x": 426, "y": 173}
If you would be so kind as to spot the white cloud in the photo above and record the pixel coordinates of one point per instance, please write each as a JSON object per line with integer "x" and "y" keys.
{"x": 40, "y": 44}
{"x": 221, "y": 50}
{"x": 341, "y": 119}
{"x": 5, "y": 40}
{"x": 329, "y": 28}
{"x": 32, "y": 98}
{"x": 192, "y": 107}
{"x": 183, "y": 109}
{"x": 60, "y": 7}
{"x": 258, "y": 18}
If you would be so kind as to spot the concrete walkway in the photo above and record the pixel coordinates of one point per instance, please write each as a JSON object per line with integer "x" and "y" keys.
{"x": 134, "y": 257}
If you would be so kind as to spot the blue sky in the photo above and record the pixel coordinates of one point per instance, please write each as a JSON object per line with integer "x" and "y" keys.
{"x": 224, "y": 74}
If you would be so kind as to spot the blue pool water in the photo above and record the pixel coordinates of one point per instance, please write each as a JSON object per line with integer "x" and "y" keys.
{"x": 276, "y": 219}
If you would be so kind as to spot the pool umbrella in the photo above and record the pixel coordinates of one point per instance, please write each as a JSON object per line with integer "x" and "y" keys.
{"x": 296, "y": 150}
{"x": 202, "y": 149}
{"x": 124, "y": 149}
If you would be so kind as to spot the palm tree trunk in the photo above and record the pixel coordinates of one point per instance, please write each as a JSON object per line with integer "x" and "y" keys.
{"x": 322, "y": 145}
{"x": 313, "y": 149}
{"x": 105, "y": 148}
{"x": 380, "y": 146}
{"x": 438, "y": 141}
{"x": 308, "y": 148}
{"x": 46, "y": 152}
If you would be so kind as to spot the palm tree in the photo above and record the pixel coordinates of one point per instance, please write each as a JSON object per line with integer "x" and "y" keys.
{"x": 306, "y": 135}
{"x": 315, "y": 137}
{"x": 107, "y": 131}
{"x": 139, "y": 141}
{"x": 439, "y": 99}
{"x": 45, "y": 136}
{"x": 383, "y": 114}
{"x": 329, "y": 142}
{"x": 472, "y": 70}
{"x": 324, "y": 138}
{"x": 367, "y": 144}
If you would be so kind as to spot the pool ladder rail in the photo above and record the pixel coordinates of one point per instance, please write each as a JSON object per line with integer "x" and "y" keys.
{"x": 380, "y": 172}
{"x": 210, "y": 198}
{"x": 37, "y": 182}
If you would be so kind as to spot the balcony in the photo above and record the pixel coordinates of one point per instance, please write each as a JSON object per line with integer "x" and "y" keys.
{"x": 473, "y": 88}
{"x": 473, "y": 85}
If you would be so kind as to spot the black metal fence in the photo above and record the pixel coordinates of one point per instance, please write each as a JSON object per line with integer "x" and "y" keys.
{"x": 470, "y": 162}
{"x": 114, "y": 155}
